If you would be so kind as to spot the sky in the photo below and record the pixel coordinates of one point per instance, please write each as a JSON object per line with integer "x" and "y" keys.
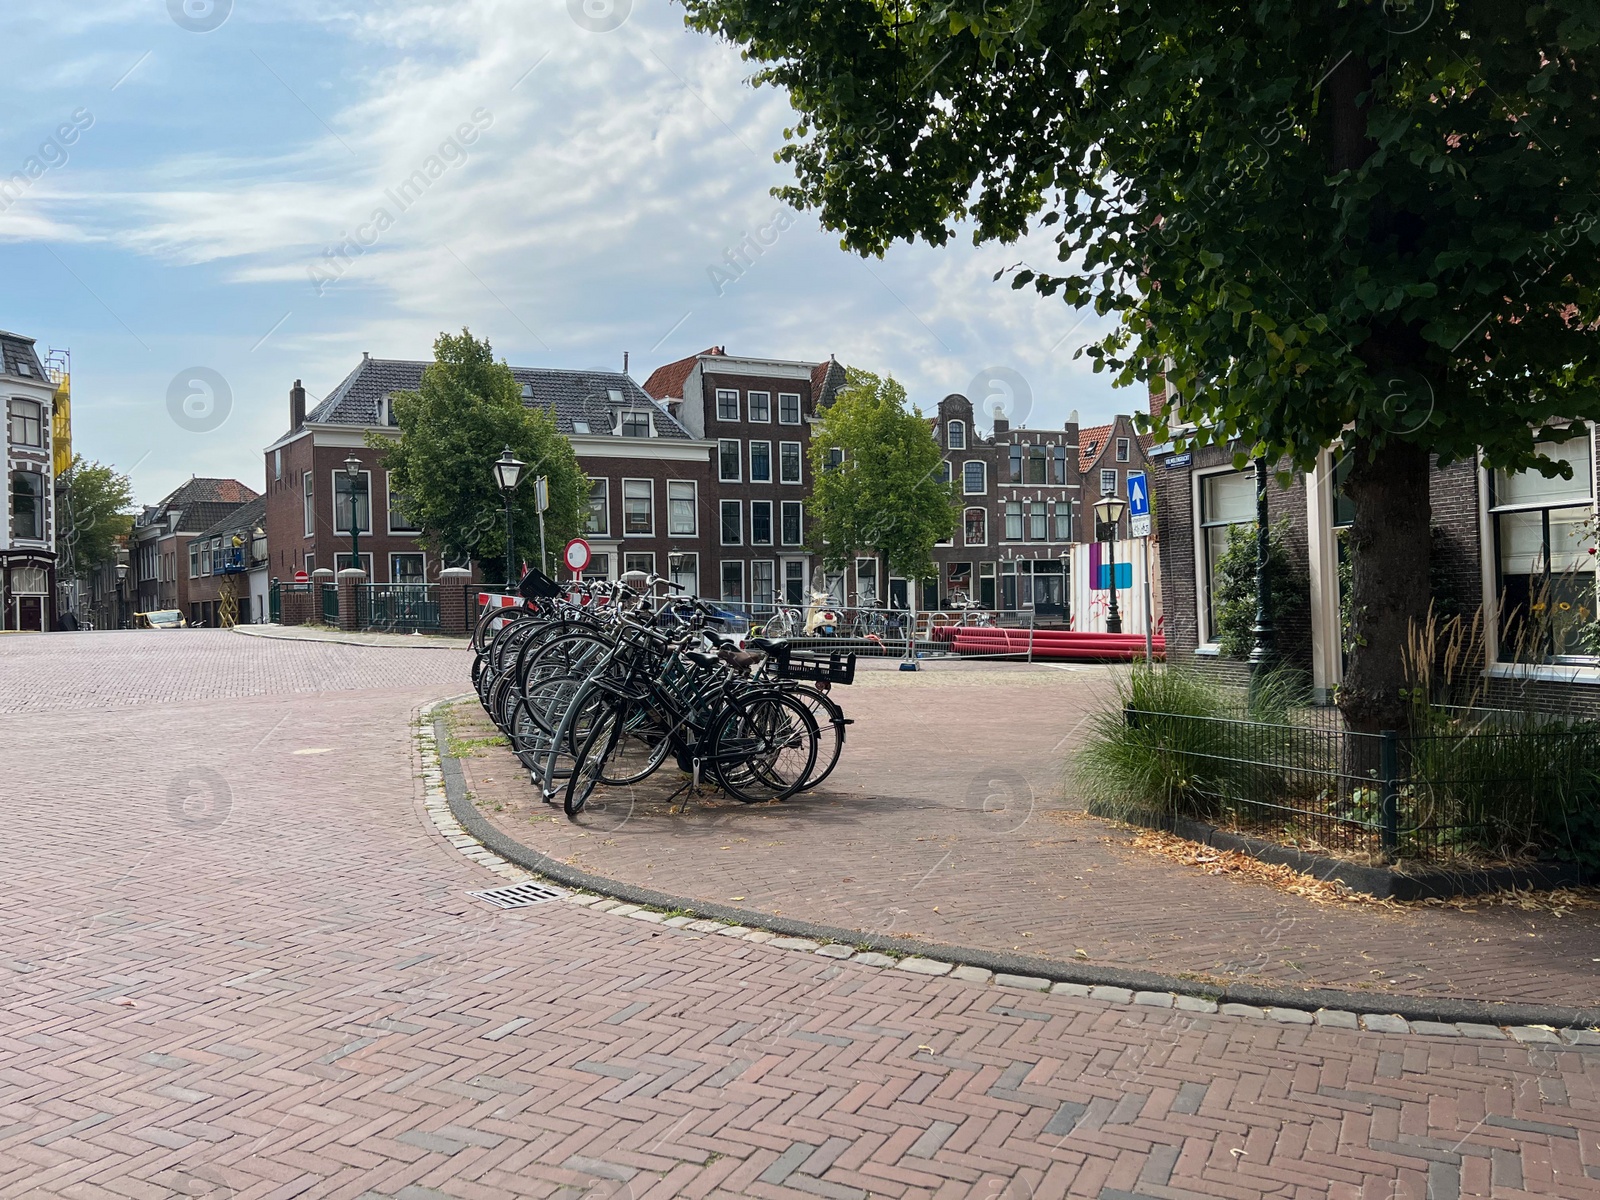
{"x": 191, "y": 190}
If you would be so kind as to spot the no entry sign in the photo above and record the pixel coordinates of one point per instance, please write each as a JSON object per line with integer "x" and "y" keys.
{"x": 576, "y": 555}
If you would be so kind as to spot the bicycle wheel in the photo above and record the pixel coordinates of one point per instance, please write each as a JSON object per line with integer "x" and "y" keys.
{"x": 763, "y": 747}
{"x": 831, "y": 724}
{"x": 642, "y": 745}
{"x": 589, "y": 769}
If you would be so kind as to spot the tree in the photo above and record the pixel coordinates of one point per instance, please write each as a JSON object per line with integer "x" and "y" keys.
{"x": 468, "y": 409}
{"x": 886, "y": 495}
{"x": 1330, "y": 220}
{"x": 95, "y": 514}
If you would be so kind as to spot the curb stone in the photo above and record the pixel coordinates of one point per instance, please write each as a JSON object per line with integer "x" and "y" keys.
{"x": 454, "y": 817}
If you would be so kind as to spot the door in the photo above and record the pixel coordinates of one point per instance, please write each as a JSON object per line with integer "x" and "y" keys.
{"x": 794, "y": 581}
{"x": 30, "y": 613}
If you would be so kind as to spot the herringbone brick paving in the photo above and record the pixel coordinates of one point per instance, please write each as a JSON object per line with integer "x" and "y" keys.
{"x": 268, "y": 982}
{"x": 901, "y": 840}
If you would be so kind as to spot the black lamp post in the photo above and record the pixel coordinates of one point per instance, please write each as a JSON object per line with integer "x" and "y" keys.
{"x": 1107, "y": 512}
{"x": 1265, "y": 648}
{"x": 352, "y": 468}
{"x": 508, "y": 473}
{"x": 122, "y": 578}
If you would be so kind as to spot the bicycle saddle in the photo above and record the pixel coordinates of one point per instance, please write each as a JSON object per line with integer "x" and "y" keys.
{"x": 761, "y": 643}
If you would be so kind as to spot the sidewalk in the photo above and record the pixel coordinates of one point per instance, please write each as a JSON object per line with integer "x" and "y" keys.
{"x": 948, "y": 820}
{"x": 318, "y": 633}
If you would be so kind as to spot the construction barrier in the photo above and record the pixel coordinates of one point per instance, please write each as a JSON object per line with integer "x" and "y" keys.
{"x": 1053, "y": 644}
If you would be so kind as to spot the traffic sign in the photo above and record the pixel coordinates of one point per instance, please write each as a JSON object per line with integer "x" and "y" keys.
{"x": 301, "y": 577}
{"x": 1138, "y": 505}
{"x": 576, "y": 555}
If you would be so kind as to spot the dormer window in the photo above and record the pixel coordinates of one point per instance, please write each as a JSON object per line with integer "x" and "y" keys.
{"x": 386, "y": 411}
{"x": 956, "y": 435}
{"x": 635, "y": 424}
{"x": 580, "y": 427}
{"x": 527, "y": 392}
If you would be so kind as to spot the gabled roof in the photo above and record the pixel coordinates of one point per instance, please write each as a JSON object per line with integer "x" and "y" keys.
{"x": 18, "y": 358}
{"x": 1091, "y": 440}
{"x": 666, "y": 382}
{"x": 566, "y": 395}
{"x": 826, "y": 380}
{"x": 201, "y": 502}
{"x": 243, "y": 517}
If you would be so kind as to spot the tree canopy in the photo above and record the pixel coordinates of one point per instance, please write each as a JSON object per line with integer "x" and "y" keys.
{"x": 468, "y": 409}
{"x": 1323, "y": 220}
{"x": 886, "y": 495}
{"x": 96, "y": 512}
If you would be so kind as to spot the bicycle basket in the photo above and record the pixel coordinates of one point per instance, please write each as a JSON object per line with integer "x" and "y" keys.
{"x": 818, "y": 668}
{"x": 536, "y": 585}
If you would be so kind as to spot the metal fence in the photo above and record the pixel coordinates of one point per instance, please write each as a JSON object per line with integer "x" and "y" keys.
{"x": 330, "y": 604}
{"x": 397, "y": 607}
{"x": 1482, "y": 788}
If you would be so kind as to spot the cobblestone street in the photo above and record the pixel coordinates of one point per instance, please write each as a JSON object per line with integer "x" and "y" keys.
{"x": 240, "y": 962}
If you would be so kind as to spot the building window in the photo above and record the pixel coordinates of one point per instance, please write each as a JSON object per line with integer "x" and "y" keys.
{"x": 792, "y": 523}
{"x": 27, "y": 505}
{"x": 599, "y": 567}
{"x": 1015, "y": 460}
{"x": 599, "y": 523}
{"x": 986, "y": 584}
{"x": 311, "y": 563}
{"x": 835, "y": 458}
{"x": 308, "y": 490}
{"x": 974, "y": 481}
{"x": 1226, "y": 500}
{"x": 732, "y": 581}
{"x": 1545, "y": 555}
{"x": 1059, "y": 474}
{"x": 27, "y": 423}
{"x": 684, "y": 570}
{"x": 194, "y": 561}
{"x": 794, "y": 581}
{"x": 788, "y": 462}
{"x": 788, "y": 408}
{"x": 977, "y": 527}
{"x": 638, "y": 508}
{"x": 759, "y": 405}
{"x": 399, "y": 522}
{"x": 760, "y": 462}
{"x": 346, "y": 492}
{"x": 727, "y": 404}
{"x": 681, "y": 503}
{"x": 277, "y": 464}
{"x": 763, "y": 585}
{"x": 732, "y": 524}
{"x": 760, "y": 524}
{"x": 205, "y": 559}
{"x": 955, "y": 435}
{"x": 1038, "y": 531}
{"x": 406, "y": 569}
{"x": 1063, "y": 521}
{"x": 1013, "y": 520}
{"x": 1036, "y": 464}
{"x": 1108, "y": 482}
{"x": 635, "y": 424}
{"x": 343, "y": 562}
{"x": 643, "y": 561}
{"x": 1122, "y": 449}
{"x": 867, "y": 582}
{"x": 728, "y": 460}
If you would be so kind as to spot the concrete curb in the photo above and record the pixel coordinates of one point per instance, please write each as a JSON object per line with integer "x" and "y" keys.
{"x": 421, "y": 643}
{"x": 1107, "y": 983}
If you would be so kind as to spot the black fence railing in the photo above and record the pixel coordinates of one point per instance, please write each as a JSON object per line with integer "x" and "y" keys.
{"x": 1482, "y": 789}
{"x": 400, "y": 607}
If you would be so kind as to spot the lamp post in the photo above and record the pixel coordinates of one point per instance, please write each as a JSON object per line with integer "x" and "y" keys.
{"x": 352, "y": 470}
{"x": 508, "y": 473}
{"x": 1107, "y": 512}
{"x": 122, "y": 578}
{"x": 1264, "y": 649}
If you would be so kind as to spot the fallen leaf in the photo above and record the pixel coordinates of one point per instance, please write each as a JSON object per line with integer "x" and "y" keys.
{"x": 735, "y": 897}
{"x": 1237, "y": 1153}
{"x": 125, "y": 1002}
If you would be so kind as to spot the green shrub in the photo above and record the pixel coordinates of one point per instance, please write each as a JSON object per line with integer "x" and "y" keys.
{"x": 1236, "y": 588}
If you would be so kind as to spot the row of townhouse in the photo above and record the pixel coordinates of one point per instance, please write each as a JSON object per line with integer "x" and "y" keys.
{"x": 28, "y": 534}
{"x": 1515, "y": 546}
{"x": 178, "y": 550}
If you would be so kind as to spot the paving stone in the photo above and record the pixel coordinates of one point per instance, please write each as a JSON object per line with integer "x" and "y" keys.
{"x": 582, "y": 898}
{"x": 1534, "y": 1034}
{"x": 625, "y": 910}
{"x": 924, "y": 966}
{"x": 1241, "y": 1010}
{"x": 1581, "y": 1037}
{"x": 1384, "y": 1023}
{"x": 679, "y": 922}
{"x": 1116, "y": 995}
{"x": 1195, "y": 1004}
{"x": 655, "y": 918}
{"x": 794, "y": 943}
{"x": 607, "y": 904}
{"x": 737, "y": 931}
{"x": 1336, "y": 1018}
{"x": 1435, "y": 1029}
{"x": 1070, "y": 989}
{"x": 1491, "y": 1033}
{"x": 704, "y": 926}
{"x": 1289, "y": 1016}
{"x": 760, "y": 935}
{"x": 871, "y": 958}
{"x": 1155, "y": 999}
{"x": 1030, "y": 983}
{"x": 835, "y": 950}
{"x": 971, "y": 974}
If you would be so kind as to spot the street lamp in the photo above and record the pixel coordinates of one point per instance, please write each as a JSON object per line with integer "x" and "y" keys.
{"x": 1264, "y": 649}
{"x": 352, "y": 469}
{"x": 122, "y": 578}
{"x": 1107, "y": 512}
{"x": 508, "y": 473}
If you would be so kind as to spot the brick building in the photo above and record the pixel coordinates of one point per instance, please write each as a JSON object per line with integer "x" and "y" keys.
{"x": 161, "y": 567}
{"x": 28, "y": 534}
{"x": 222, "y": 560}
{"x": 755, "y": 416}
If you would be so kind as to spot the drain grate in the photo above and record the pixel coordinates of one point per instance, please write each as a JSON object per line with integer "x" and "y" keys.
{"x": 520, "y": 895}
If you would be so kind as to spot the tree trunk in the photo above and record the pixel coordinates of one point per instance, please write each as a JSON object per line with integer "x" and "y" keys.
{"x": 1389, "y": 543}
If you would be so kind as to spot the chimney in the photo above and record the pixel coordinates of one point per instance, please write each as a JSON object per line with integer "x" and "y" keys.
{"x": 1001, "y": 423}
{"x": 297, "y": 406}
{"x": 624, "y": 362}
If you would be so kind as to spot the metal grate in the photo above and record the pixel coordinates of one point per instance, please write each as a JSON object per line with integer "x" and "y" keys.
{"x": 520, "y": 895}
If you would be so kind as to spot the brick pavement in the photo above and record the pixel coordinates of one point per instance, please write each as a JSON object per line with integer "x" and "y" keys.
{"x": 238, "y": 963}
{"x": 949, "y": 819}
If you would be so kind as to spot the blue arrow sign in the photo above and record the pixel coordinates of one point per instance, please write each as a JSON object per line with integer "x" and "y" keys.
{"x": 1138, "y": 495}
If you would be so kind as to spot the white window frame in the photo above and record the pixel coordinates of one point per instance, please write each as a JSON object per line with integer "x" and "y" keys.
{"x": 388, "y": 504}
{"x": 651, "y": 484}
{"x": 971, "y": 508}
{"x": 339, "y": 474}
{"x": 649, "y": 568}
{"x": 726, "y": 394}
{"x": 15, "y": 419}
{"x": 800, "y": 510}
{"x": 308, "y": 500}
{"x": 750, "y": 407}
{"x": 738, "y": 457}
{"x": 1124, "y": 450}
{"x": 983, "y": 473}
{"x": 722, "y": 580}
{"x": 605, "y": 486}
{"x": 1111, "y": 474}
{"x": 692, "y": 574}
{"x": 799, "y": 463}
{"x": 799, "y": 418}
{"x": 754, "y": 442}
{"x": 772, "y": 533}
{"x": 776, "y": 592}
{"x": 1205, "y": 636}
{"x": 694, "y": 508}
{"x": 394, "y": 576}
{"x": 955, "y": 435}
{"x": 366, "y": 562}
{"x": 722, "y": 524}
